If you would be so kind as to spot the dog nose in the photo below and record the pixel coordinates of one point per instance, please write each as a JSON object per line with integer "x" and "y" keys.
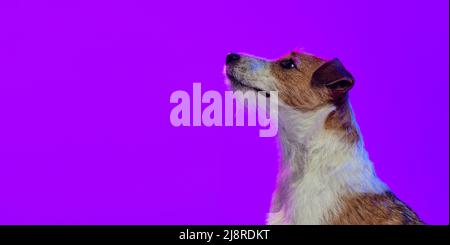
{"x": 232, "y": 58}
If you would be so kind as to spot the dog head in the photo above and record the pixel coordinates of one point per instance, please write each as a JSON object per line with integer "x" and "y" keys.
{"x": 303, "y": 82}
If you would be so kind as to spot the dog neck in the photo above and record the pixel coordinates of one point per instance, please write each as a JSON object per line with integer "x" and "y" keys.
{"x": 327, "y": 133}
{"x": 323, "y": 158}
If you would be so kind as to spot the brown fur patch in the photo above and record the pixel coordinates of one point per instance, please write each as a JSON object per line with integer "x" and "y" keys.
{"x": 342, "y": 122}
{"x": 295, "y": 89}
{"x": 375, "y": 209}
{"x": 294, "y": 85}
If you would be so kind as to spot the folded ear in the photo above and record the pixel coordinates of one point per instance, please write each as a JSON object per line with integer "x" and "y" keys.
{"x": 333, "y": 76}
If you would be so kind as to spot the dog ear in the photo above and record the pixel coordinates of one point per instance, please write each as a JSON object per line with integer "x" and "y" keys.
{"x": 333, "y": 76}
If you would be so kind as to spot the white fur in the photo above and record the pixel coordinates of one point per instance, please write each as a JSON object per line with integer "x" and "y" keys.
{"x": 317, "y": 168}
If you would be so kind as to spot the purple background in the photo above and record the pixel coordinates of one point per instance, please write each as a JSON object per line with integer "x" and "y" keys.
{"x": 85, "y": 136}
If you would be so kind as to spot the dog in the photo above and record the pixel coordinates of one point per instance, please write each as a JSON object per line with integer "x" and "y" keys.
{"x": 325, "y": 175}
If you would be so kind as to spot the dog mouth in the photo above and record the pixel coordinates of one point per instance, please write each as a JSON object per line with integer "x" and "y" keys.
{"x": 236, "y": 83}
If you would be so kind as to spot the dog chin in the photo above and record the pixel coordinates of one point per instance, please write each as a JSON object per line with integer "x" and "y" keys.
{"x": 237, "y": 84}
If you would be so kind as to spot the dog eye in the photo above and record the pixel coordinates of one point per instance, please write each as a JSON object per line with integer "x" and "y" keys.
{"x": 288, "y": 64}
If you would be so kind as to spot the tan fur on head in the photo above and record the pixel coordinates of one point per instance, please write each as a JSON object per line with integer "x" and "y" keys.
{"x": 295, "y": 88}
{"x": 294, "y": 85}
{"x": 306, "y": 84}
